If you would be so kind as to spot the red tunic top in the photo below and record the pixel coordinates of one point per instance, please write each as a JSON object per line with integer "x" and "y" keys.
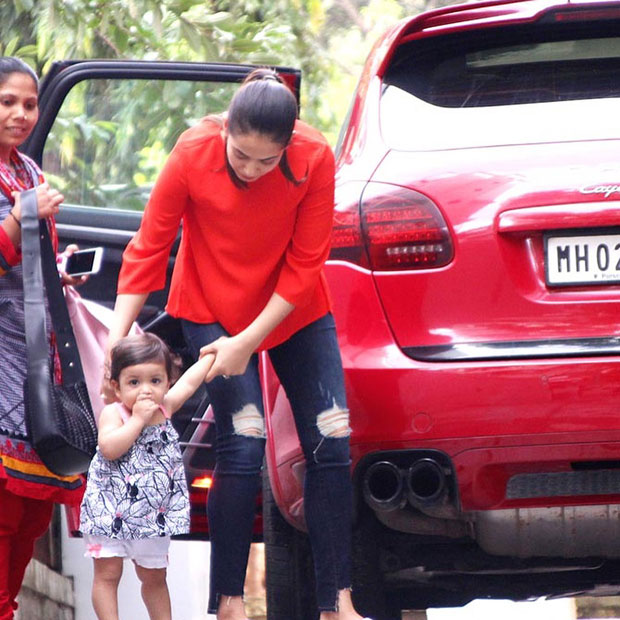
{"x": 238, "y": 245}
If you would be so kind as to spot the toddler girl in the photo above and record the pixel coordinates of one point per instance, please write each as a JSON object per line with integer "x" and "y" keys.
{"x": 136, "y": 495}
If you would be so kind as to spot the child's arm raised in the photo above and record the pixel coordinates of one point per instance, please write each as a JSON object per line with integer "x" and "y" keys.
{"x": 187, "y": 384}
{"x": 115, "y": 437}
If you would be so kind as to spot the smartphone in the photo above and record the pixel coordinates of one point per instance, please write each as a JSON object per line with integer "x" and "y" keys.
{"x": 83, "y": 262}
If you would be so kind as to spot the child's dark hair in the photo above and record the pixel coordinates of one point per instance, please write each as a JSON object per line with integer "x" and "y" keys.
{"x": 266, "y": 105}
{"x": 11, "y": 64}
{"x": 140, "y": 349}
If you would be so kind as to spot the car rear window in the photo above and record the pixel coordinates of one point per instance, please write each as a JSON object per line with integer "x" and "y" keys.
{"x": 508, "y": 66}
{"x": 509, "y": 85}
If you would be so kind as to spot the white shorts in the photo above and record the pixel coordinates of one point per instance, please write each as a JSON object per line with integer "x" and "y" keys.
{"x": 145, "y": 552}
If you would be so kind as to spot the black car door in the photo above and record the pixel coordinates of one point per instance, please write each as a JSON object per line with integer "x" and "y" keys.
{"x": 104, "y": 131}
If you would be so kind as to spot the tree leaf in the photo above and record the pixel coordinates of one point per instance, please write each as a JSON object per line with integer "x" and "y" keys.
{"x": 11, "y": 46}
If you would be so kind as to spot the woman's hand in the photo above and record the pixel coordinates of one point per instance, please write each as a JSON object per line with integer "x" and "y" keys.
{"x": 64, "y": 276}
{"x": 232, "y": 355}
{"x": 108, "y": 395}
{"x": 126, "y": 310}
{"x": 48, "y": 202}
{"x": 107, "y": 390}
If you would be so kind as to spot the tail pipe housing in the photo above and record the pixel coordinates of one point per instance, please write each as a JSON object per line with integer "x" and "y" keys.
{"x": 389, "y": 484}
{"x": 384, "y": 486}
{"x": 425, "y": 482}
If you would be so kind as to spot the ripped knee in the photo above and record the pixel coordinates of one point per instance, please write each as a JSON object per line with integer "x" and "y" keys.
{"x": 249, "y": 422}
{"x": 334, "y": 422}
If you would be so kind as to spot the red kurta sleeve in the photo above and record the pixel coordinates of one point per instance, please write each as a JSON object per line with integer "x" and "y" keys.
{"x": 9, "y": 255}
{"x": 146, "y": 257}
{"x": 310, "y": 243}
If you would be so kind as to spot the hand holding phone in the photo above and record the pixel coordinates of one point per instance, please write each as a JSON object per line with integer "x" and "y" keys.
{"x": 82, "y": 262}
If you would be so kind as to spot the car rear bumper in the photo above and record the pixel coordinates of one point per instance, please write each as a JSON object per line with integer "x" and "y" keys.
{"x": 514, "y": 434}
{"x": 516, "y": 501}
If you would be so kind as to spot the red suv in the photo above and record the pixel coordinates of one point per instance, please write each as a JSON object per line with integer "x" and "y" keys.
{"x": 475, "y": 276}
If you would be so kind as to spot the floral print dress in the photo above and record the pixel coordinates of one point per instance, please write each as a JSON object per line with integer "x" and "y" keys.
{"x": 142, "y": 494}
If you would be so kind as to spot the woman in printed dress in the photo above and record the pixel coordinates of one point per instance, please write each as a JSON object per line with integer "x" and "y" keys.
{"x": 28, "y": 490}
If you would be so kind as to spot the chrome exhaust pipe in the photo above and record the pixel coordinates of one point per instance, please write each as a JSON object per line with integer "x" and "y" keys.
{"x": 383, "y": 487}
{"x": 425, "y": 483}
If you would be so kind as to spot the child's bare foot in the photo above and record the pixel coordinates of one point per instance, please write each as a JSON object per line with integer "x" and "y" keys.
{"x": 231, "y": 608}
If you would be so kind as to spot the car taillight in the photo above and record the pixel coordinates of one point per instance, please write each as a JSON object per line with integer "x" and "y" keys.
{"x": 391, "y": 228}
{"x": 203, "y": 482}
{"x": 347, "y": 241}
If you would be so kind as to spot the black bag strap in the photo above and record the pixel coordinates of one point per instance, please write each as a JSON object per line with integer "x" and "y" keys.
{"x": 39, "y": 266}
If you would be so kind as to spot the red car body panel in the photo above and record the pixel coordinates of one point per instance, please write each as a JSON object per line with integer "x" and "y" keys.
{"x": 545, "y": 182}
{"x": 496, "y": 418}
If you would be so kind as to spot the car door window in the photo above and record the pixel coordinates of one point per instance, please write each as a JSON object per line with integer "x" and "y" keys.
{"x": 111, "y": 137}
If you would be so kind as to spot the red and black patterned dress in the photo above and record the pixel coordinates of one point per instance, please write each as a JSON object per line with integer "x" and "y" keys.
{"x": 21, "y": 470}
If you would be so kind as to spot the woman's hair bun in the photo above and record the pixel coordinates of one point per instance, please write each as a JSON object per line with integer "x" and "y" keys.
{"x": 263, "y": 73}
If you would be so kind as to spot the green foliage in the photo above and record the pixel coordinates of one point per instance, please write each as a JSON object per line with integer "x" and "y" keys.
{"x": 327, "y": 39}
{"x": 111, "y": 137}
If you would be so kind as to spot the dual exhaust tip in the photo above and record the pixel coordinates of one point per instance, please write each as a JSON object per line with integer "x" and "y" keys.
{"x": 387, "y": 487}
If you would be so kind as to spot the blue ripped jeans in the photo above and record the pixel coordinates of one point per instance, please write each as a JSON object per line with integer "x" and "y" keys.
{"x": 310, "y": 369}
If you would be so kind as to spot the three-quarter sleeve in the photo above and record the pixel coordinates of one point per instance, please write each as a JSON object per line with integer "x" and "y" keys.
{"x": 309, "y": 246}
{"x": 9, "y": 254}
{"x": 146, "y": 256}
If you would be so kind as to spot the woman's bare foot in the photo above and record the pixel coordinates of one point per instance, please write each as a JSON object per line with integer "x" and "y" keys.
{"x": 231, "y": 608}
{"x": 346, "y": 611}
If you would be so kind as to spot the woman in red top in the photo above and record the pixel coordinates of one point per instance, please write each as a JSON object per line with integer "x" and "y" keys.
{"x": 255, "y": 193}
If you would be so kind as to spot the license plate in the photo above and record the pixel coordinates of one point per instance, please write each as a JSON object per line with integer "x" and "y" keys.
{"x": 582, "y": 259}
